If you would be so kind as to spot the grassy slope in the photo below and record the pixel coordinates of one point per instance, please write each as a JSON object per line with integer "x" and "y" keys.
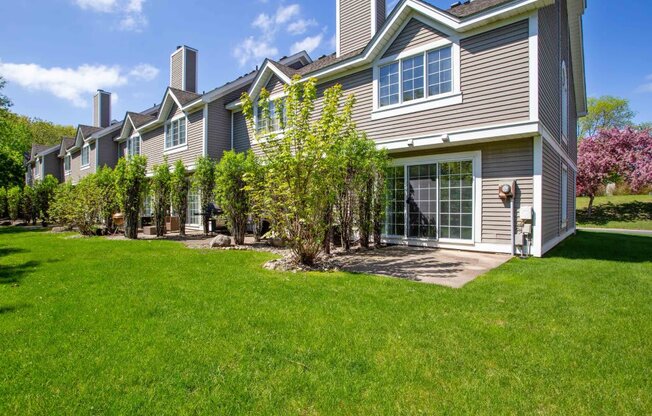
{"x": 633, "y": 212}
{"x": 152, "y": 327}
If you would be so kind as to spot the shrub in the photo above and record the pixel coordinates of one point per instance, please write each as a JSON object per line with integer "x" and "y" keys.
{"x": 130, "y": 180}
{"x": 160, "y": 189}
{"x": 29, "y": 205}
{"x": 45, "y": 191}
{"x": 180, "y": 187}
{"x": 61, "y": 207}
{"x": 231, "y": 193}
{"x": 14, "y": 202}
{"x": 105, "y": 183}
{"x": 204, "y": 183}
{"x": 86, "y": 205}
{"x": 3, "y": 203}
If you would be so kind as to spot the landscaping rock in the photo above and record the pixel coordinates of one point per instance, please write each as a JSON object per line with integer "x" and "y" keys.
{"x": 276, "y": 242}
{"x": 59, "y": 229}
{"x": 221, "y": 241}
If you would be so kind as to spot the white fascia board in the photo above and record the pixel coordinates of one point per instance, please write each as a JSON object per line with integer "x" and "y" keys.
{"x": 162, "y": 114}
{"x": 257, "y": 86}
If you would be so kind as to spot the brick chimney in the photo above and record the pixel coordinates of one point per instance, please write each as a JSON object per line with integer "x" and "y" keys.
{"x": 357, "y": 22}
{"x": 183, "y": 69}
{"x": 102, "y": 109}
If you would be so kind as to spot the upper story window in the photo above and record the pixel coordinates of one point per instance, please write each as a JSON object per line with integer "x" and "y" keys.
{"x": 133, "y": 146}
{"x": 435, "y": 66}
{"x": 39, "y": 167}
{"x": 272, "y": 123}
{"x": 66, "y": 163}
{"x": 175, "y": 133}
{"x": 85, "y": 155}
{"x": 564, "y": 101}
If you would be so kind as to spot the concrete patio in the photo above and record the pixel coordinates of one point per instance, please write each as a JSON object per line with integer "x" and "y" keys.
{"x": 436, "y": 266}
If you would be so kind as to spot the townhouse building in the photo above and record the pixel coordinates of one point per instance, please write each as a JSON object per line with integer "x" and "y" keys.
{"x": 477, "y": 106}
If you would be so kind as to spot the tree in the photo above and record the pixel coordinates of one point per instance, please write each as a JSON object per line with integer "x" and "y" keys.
{"x": 29, "y": 205}
{"x": 297, "y": 193}
{"x": 5, "y": 102}
{"x": 180, "y": 187}
{"x": 45, "y": 191}
{"x": 231, "y": 194}
{"x": 105, "y": 182}
{"x": 606, "y": 112}
{"x": 204, "y": 183}
{"x": 160, "y": 191}
{"x": 611, "y": 156}
{"x": 254, "y": 184}
{"x": 130, "y": 183}
{"x": 3, "y": 203}
{"x": 14, "y": 202}
{"x": 86, "y": 204}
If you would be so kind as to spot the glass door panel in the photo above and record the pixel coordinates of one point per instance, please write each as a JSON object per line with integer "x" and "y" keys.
{"x": 422, "y": 201}
{"x": 395, "y": 221}
{"x": 456, "y": 200}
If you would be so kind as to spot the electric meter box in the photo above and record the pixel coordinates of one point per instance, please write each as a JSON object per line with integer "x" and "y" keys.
{"x": 525, "y": 213}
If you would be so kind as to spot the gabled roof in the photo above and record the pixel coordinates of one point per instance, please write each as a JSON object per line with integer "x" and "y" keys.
{"x": 39, "y": 150}
{"x": 184, "y": 97}
{"x": 66, "y": 144}
{"x": 84, "y": 134}
{"x": 469, "y": 8}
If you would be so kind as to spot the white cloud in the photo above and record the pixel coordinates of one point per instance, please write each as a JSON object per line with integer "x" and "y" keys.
{"x": 301, "y": 26}
{"x": 287, "y": 18}
{"x": 130, "y": 12}
{"x": 104, "y": 6}
{"x": 646, "y": 86}
{"x": 75, "y": 85}
{"x": 308, "y": 44}
{"x": 145, "y": 72}
{"x": 252, "y": 49}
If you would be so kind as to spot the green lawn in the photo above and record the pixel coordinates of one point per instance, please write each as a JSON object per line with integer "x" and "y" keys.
{"x": 632, "y": 212}
{"x": 92, "y": 326}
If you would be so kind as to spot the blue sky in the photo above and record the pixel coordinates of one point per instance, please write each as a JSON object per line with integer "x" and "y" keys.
{"x": 56, "y": 53}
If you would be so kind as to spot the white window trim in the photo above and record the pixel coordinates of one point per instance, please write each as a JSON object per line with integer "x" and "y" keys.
{"x": 476, "y": 158}
{"x": 140, "y": 145}
{"x": 176, "y": 149}
{"x": 564, "y": 197}
{"x": 81, "y": 157}
{"x": 165, "y": 134}
{"x": 69, "y": 170}
{"x": 427, "y": 102}
{"x": 565, "y": 103}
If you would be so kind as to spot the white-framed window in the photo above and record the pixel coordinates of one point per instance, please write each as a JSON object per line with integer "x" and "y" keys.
{"x": 564, "y": 101}
{"x": 39, "y": 168}
{"x": 434, "y": 198}
{"x": 432, "y": 69}
{"x": 564, "y": 196}
{"x": 388, "y": 81}
{"x": 66, "y": 163}
{"x": 273, "y": 123}
{"x": 175, "y": 133}
{"x": 133, "y": 146}
{"x": 85, "y": 155}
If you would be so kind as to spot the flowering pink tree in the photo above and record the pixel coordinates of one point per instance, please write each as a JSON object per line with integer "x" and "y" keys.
{"x": 612, "y": 155}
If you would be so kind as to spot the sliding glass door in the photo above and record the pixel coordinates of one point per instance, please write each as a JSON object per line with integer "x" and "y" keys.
{"x": 431, "y": 201}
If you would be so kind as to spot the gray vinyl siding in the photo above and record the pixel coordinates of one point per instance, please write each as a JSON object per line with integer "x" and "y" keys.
{"x": 381, "y": 13}
{"x": 108, "y": 151}
{"x": 355, "y": 24}
{"x": 76, "y": 172}
{"x": 551, "y": 197}
{"x": 495, "y": 85}
{"x": 242, "y": 137}
{"x": 102, "y": 110}
{"x": 415, "y": 34}
{"x": 191, "y": 71}
{"x": 153, "y": 143}
{"x": 494, "y": 82}
{"x": 572, "y": 202}
{"x": 52, "y": 166}
{"x": 176, "y": 70}
{"x": 554, "y": 46}
{"x": 502, "y": 162}
{"x": 219, "y": 123}
{"x": 275, "y": 85}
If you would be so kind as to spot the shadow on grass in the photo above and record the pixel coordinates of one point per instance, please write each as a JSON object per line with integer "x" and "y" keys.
{"x": 605, "y": 246}
{"x": 12, "y": 308}
{"x": 626, "y": 212}
{"x": 15, "y": 273}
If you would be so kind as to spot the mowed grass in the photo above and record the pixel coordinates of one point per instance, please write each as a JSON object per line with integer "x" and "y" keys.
{"x": 631, "y": 212}
{"x": 92, "y": 326}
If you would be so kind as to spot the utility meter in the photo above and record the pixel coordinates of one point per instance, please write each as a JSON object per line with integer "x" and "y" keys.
{"x": 506, "y": 190}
